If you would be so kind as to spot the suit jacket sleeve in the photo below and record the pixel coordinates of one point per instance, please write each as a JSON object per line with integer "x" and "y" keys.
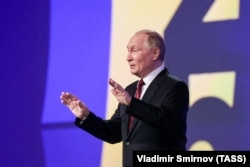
{"x": 106, "y": 130}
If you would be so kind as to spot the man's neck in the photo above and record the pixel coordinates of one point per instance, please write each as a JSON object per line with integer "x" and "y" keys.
{"x": 157, "y": 66}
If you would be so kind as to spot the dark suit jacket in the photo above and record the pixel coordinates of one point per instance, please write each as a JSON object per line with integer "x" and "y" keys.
{"x": 160, "y": 119}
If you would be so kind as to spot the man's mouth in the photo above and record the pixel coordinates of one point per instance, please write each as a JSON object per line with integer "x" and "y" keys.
{"x": 132, "y": 66}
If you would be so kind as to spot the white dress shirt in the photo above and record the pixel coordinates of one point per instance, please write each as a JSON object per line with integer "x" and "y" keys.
{"x": 150, "y": 77}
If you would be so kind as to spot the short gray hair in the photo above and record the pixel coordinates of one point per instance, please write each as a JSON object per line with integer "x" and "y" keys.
{"x": 155, "y": 40}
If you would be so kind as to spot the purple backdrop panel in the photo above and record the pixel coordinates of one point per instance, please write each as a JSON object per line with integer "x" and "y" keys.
{"x": 78, "y": 63}
{"x": 69, "y": 147}
{"x": 78, "y": 56}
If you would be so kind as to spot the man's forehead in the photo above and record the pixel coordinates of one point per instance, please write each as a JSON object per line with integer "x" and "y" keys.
{"x": 137, "y": 39}
{"x": 140, "y": 35}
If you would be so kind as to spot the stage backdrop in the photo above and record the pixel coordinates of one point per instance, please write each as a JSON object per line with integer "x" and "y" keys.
{"x": 50, "y": 46}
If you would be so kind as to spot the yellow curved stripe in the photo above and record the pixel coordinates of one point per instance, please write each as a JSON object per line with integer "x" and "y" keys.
{"x": 222, "y": 10}
{"x": 220, "y": 85}
{"x": 128, "y": 17}
{"x": 201, "y": 145}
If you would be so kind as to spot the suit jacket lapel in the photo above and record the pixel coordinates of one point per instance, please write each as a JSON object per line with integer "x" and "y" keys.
{"x": 131, "y": 92}
{"x": 153, "y": 87}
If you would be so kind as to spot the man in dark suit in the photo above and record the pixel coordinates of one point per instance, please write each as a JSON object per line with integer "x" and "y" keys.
{"x": 159, "y": 113}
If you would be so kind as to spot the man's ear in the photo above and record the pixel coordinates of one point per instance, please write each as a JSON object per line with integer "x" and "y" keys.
{"x": 156, "y": 53}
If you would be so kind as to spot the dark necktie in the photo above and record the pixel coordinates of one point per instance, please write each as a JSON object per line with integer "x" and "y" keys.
{"x": 137, "y": 95}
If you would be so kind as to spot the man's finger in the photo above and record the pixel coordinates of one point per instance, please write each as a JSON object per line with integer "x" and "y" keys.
{"x": 66, "y": 98}
{"x": 114, "y": 92}
{"x": 115, "y": 85}
{"x": 65, "y": 101}
{"x": 111, "y": 82}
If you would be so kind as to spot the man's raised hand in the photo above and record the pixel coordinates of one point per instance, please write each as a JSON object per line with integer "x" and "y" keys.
{"x": 78, "y": 108}
{"x": 121, "y": 94}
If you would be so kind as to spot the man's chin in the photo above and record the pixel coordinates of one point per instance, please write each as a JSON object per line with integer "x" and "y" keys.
{"x": 134, "y": 72}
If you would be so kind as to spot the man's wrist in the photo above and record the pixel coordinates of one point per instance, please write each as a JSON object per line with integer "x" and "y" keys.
{"x": 128, "y": 101}
{"x": 82, "y": 118}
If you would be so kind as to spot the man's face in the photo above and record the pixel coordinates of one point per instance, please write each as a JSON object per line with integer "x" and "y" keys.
{"x": 140, "y": 55}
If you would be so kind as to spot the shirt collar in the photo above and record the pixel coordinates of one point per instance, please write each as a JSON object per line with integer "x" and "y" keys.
{"x": 151, "y": 76}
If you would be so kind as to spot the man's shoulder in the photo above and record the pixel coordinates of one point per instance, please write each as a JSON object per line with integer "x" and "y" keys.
{"x": 132, "y": 85}
{"x": 173, "y": 80}
{"x": 167, "y": 77}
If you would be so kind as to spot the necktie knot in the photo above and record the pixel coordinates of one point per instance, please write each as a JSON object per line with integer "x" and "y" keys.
{"x": 140, "y": 84}
{"x": 139, "y": 89}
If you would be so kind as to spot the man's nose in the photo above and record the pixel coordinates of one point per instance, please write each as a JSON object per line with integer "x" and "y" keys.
{"x": 129, "y": 58}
